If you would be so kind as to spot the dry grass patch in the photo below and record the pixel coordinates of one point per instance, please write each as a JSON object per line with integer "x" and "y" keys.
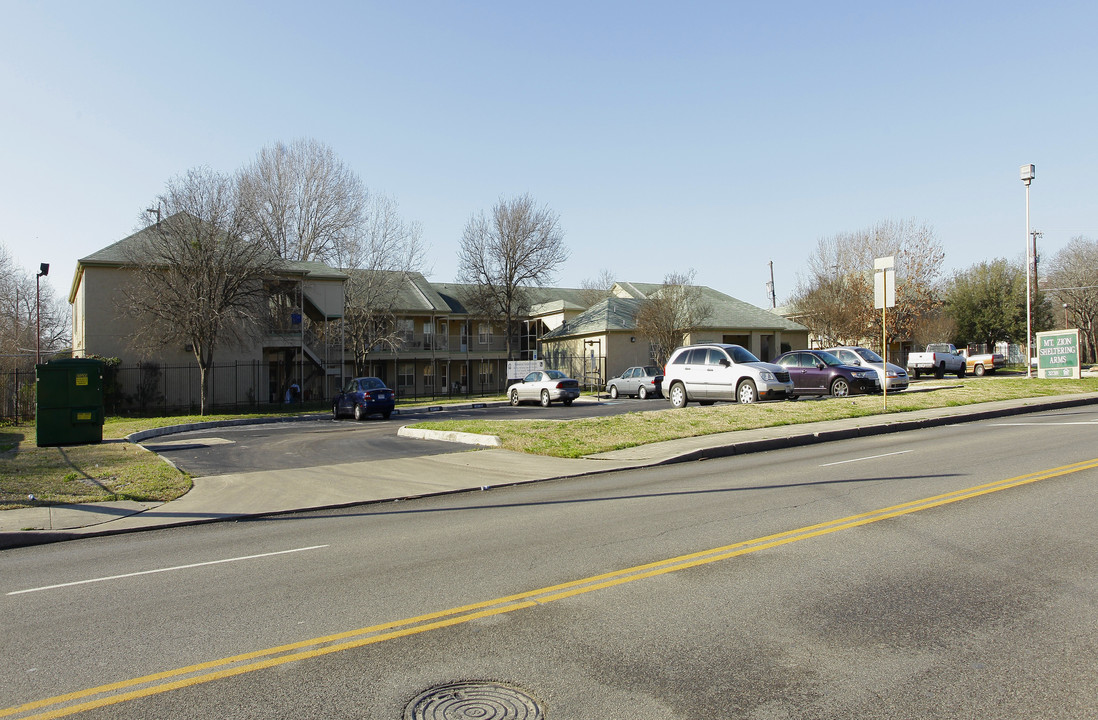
{"x": 586, "y": 436}
{"x": 81, "y": 473}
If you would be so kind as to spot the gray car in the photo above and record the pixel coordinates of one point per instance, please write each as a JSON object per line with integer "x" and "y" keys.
{"x": 855, "y": 355}
{"x": 642, "y": 382}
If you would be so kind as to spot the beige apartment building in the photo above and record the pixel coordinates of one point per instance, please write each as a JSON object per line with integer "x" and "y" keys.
{"x": 442, "y": 348}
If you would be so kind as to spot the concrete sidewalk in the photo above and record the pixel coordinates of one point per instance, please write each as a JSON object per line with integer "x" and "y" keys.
{"x": 241, "y": 495}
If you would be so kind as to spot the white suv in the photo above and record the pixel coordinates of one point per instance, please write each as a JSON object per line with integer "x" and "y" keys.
{"x": 716, "y": 371}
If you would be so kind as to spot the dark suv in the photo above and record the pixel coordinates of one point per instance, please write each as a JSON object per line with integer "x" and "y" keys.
{"x": 709, "y": 372}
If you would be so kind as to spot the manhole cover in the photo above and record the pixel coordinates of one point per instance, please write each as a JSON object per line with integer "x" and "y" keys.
{"x": 473, "y": 701}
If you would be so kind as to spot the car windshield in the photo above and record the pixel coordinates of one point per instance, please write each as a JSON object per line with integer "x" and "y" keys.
{"x": 555, "y": 374}
{"x": 869, "y": 355}
{"x": 829, "y": 359}
{"x": 650, "y": 370}
{"x": 741, "y": 355}
{"x": 370, "y": 384}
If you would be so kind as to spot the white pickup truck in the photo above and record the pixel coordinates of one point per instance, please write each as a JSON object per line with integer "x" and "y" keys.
{"x": 939, "y": 358}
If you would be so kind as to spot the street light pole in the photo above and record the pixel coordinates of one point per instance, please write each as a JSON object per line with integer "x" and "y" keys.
{"x": 43, "y": 269}
{"x": 1028, "y": 173}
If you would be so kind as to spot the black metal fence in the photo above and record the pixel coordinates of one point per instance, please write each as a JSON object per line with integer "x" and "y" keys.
{"x": 17, "y": 398}
{"x": 154, "y": 389}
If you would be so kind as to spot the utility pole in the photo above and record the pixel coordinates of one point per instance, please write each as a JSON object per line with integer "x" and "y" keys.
{"x": 1036, "y": 234}
{"x": 770, "y": 287}
{"x": 1028, "y": 172}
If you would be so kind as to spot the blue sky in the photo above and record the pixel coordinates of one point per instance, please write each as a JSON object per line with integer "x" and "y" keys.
{"x": 668, "y": 136}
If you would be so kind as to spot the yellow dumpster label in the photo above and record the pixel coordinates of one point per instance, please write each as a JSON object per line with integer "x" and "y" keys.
{"x": 83, "y": 416}
{"x": 81, "y": 378}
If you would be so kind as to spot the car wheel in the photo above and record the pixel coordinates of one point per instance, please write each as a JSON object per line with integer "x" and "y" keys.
{"x": 840, "y": 388}
{"x": 335, "y": 411}
{"x": 360, "y": 412}
{"x": 642, "y": 393}
{"x": 678, "y": 396}
{"x": 545, "y": 401}
{"x": 387, "y": 414}
{"x": 613, "y": 392}
{"x": 746, "y": 392}
{"x": 567, "y": 402}
{"x": 961, "y": 371}
{"x": 514, "y": 398}
{"x": 940, "y": 371}
{"x": 917, "y": 374}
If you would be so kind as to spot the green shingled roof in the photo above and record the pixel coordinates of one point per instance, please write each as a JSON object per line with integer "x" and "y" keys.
{"x": 618, "y": 313}
{"x": 611, "y": 314}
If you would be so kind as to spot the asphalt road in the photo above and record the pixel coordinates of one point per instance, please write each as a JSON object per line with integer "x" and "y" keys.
{"x": 849, "y": 579}
{"x": 308, "y": 443}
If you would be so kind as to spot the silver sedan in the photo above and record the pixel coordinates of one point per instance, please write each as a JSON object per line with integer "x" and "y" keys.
{"x": 545, "y": 386}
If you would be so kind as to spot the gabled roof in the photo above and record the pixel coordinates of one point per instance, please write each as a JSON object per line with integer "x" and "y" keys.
{"x": 613, "y": 313}
{"x": 730, "y": 312}
{"x": 619, "y": 313}
{"x": 457, "y": 297}
{"x": 140, "y": 244}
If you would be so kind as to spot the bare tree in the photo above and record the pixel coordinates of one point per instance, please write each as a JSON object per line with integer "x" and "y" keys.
{"x": 597, "y": 289}
{"x": 301, "y": 201}
{"x": 379, "y": 261}
{"x": 835, "y": 300}
{"x": 671, "y": 313}
{"x": 196, "y": 281}
{"x": 520, "y": 245}
{"x": 1072, "y": 277}
{"x": 28, "y": 307}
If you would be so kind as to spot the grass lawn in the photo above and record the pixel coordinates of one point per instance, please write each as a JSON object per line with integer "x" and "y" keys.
{"x": 98, "y": 473}
{"x": 576, "y": 438}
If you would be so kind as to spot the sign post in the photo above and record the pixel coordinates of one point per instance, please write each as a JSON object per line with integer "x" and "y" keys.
{"x": 1058, "y": 354}
{"x": 884, "y": 296}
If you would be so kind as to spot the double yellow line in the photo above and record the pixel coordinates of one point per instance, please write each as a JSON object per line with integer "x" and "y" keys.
{"x": 111, "y": 694}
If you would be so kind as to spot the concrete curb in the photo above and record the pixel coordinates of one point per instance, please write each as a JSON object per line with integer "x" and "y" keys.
{"x": 453, "y": 436}
{"x": 206, "y": 424}
{"x": 903, "y": 425}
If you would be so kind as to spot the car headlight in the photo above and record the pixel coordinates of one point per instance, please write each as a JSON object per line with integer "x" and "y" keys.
{"x": 767, "y": 376}
{"x": 861, "y": 375}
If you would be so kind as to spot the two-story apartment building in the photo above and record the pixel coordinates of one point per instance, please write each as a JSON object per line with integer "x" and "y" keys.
{"x": 441, "y": 348}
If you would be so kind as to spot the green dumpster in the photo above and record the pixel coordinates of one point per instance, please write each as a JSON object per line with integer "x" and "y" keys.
{"x": 70, "y": 402}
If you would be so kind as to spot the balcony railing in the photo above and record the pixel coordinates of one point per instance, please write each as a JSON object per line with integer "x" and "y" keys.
{"x": 454, "y": 344}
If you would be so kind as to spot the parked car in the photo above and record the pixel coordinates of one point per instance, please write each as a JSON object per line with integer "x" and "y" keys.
{"x": 815, "y": 372}
{"x": 642, "y": 382}
{"x": 939, "y": 358}
{"x": 545, "y": 386}
{"x": 896, "y": 376}
{"x": 983, "y": 362}
{"x": 364, "y": 396}
{"x": 709, "y": 372}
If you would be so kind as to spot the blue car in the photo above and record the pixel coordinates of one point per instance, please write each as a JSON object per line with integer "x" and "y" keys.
{"x": 364, "y": 396}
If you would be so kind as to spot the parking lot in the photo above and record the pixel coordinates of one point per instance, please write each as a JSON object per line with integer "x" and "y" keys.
{"x": 324, "y": 441}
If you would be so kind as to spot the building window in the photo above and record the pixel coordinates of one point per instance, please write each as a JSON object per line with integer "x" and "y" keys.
{"x": 405, "y": 329}
{"x": 486, "y": 378}
{"x": 429, "y": 376}
{"x": 406, "y": 376}
{"x": 484, "y": 333}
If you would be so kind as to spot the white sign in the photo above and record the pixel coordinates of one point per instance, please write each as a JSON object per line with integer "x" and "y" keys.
{"x": 521, "y": 368}
{"x": 884, "y": 282}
